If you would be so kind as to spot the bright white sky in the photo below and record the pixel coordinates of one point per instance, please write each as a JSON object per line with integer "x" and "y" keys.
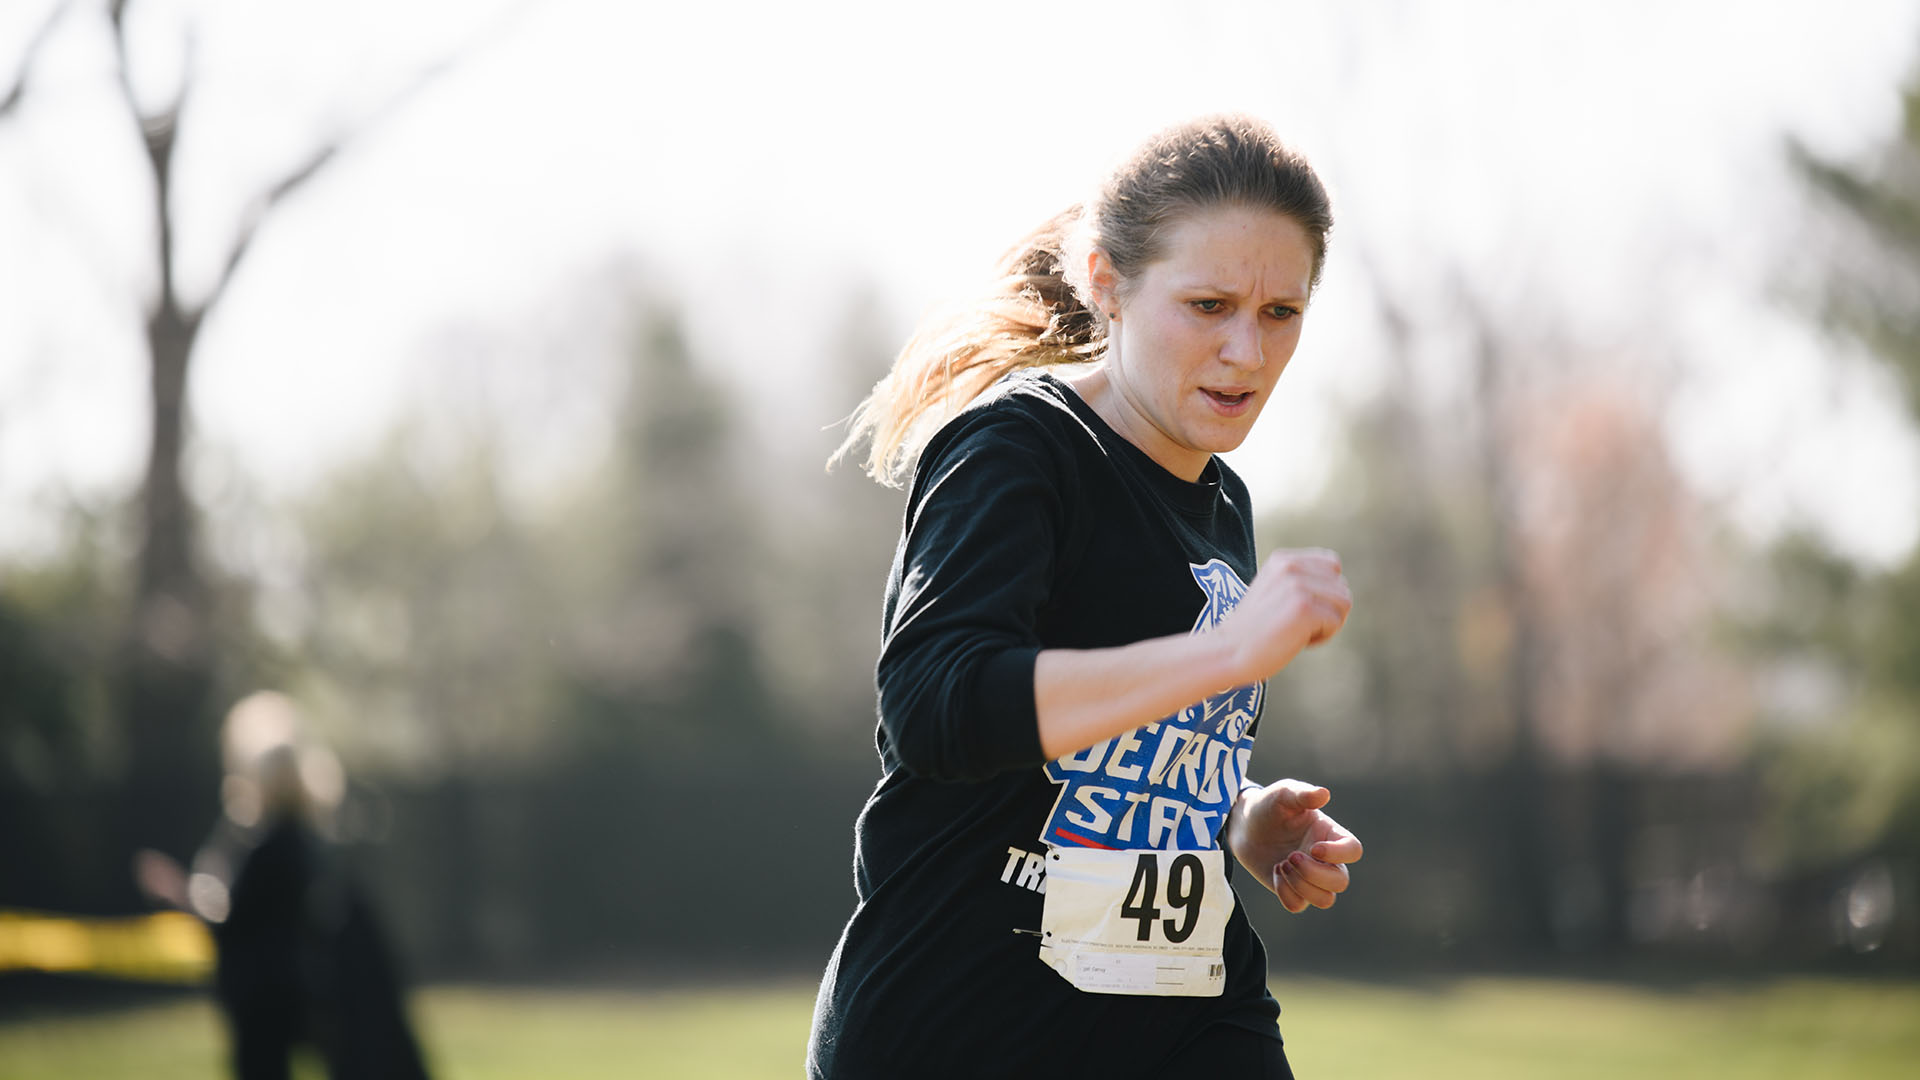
{"x": 1615, "y": 168}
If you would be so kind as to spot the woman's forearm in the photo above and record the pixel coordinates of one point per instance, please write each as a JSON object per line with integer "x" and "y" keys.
{"x": 1084, "y": 696}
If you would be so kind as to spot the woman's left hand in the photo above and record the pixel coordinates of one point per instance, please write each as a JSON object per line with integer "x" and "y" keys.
{"x": 1283, "y": 838}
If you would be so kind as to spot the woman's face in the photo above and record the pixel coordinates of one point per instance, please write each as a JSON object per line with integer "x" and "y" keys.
{"x": 1203, "y": 333}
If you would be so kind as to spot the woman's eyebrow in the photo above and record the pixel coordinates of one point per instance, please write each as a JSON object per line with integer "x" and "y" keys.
{"x": 1202, "y": 285}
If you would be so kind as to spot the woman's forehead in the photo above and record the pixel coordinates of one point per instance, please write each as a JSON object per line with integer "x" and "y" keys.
{"x": 1237, "y": 249}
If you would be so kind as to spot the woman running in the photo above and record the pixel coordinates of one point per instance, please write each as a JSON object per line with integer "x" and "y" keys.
{"x": 1075, "y": 645}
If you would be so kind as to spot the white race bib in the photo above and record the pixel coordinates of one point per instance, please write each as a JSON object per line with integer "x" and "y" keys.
{"x": 1137, "y": 922}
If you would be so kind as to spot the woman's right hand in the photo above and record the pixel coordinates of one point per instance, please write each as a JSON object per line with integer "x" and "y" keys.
{"x": 1299, "y": 599}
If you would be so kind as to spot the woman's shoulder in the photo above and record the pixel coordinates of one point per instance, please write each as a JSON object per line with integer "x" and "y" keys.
{"x": 1028, "y": 414}
{"x": 1034, "y": 397}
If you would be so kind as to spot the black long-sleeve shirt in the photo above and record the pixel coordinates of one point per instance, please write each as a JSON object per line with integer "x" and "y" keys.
{"x": 1031, "y": 524}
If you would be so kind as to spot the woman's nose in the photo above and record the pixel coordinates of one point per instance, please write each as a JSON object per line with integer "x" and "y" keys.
{"x": 1244, "y": 347}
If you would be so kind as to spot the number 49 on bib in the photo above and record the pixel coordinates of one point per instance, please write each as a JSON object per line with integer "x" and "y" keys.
{"x": 1137, "y": 922}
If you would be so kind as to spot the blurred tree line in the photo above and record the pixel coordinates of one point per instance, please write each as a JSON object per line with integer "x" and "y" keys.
{"x": 619, "y": 712}
{"x": 568, "y": 733}
{"x": 1613, "y": 728}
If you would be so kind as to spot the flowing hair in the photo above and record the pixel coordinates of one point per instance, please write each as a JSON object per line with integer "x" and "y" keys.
{"x": 1035, "y": 313}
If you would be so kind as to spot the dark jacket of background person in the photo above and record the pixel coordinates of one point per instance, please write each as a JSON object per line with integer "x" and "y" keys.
{"x": 301, "y": 959}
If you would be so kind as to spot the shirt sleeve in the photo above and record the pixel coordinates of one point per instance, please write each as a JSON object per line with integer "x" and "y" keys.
{"x": 975, "y": 564}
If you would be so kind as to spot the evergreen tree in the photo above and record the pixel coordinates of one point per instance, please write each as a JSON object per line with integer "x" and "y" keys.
{"x": 1847, "y": 636}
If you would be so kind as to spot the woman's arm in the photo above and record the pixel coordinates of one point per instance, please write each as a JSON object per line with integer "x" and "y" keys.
{"x": 1084, "y": 696}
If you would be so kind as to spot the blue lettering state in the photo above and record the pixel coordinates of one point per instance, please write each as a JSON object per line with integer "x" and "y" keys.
{"x": 1202, "y": 822}
{"x": 1098, "y": 817}
{"x": 1164, "y": 819}
{"x": 1125, "y": 833}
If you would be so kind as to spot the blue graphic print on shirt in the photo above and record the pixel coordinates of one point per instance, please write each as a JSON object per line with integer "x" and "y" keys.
{"x": 1169, "y": 784}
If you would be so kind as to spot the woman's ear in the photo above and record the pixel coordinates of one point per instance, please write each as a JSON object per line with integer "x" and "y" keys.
{"x": 1104, "y": 282}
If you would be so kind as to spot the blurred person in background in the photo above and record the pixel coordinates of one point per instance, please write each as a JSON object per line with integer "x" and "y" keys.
{"x": 1075, "y": 645}
{"x": 300, "y": 958}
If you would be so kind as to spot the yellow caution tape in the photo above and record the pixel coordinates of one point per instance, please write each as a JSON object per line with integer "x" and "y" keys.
{"x": 168, "y": 946}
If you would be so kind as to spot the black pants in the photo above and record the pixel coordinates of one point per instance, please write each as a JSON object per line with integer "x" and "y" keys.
{"x": 265, "y": 1031}
{"x": 1224, "y": 1052}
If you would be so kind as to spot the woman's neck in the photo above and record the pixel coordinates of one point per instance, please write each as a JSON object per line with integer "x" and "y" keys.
{"x": 1097, "y": 389}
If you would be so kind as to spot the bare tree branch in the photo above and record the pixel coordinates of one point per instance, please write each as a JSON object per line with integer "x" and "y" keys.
{"x": 287, "y": 185}
{"x": 158, "y": 134}
{"x": 11, "y": 99}
{"x": 327, "y": 152}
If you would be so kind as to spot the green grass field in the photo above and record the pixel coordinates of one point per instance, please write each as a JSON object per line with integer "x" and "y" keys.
{"x": 1484, "y": 1028}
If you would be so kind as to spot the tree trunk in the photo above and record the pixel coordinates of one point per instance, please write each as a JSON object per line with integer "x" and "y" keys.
{"x": 164, "y": 684}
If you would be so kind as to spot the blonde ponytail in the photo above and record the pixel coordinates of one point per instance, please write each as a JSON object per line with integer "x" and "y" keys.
{"x": 1029, "y": 317}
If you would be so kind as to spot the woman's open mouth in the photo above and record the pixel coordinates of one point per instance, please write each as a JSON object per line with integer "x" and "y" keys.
{"x": 1229, "y": 403}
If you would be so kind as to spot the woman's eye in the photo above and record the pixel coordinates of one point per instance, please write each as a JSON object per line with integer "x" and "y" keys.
{"x": 1208, "y": 306}
{"x": 1282, "y": 312}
